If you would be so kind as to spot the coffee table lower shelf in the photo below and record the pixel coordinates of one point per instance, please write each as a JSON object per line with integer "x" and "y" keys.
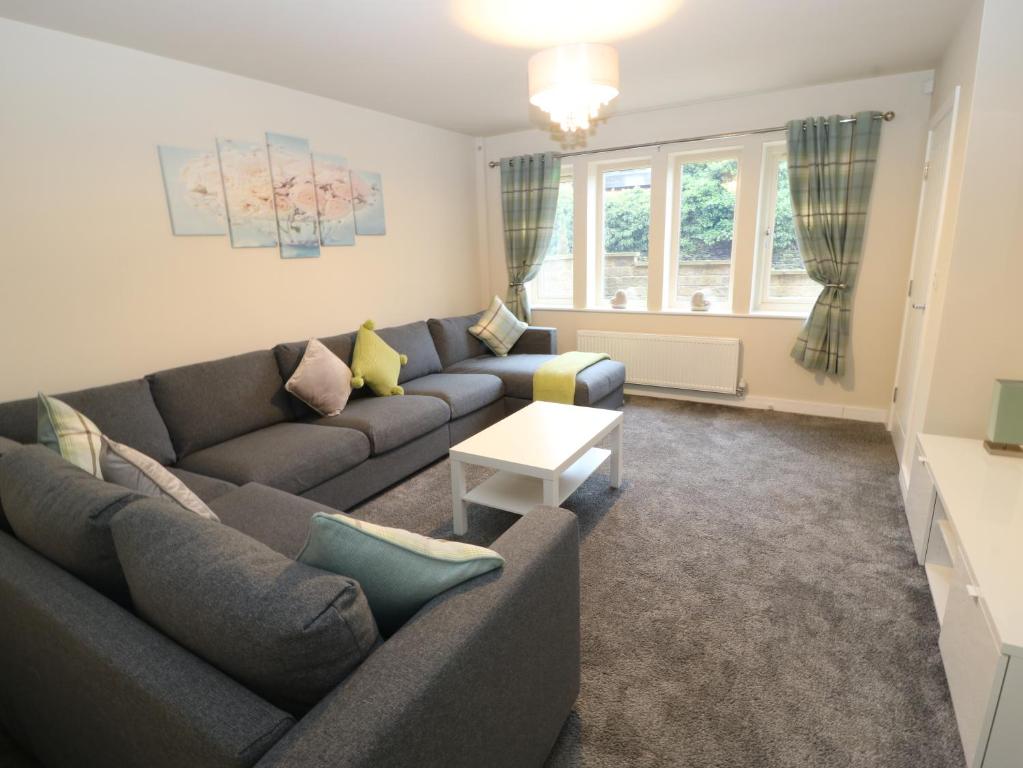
{"x": 521, "y": 493}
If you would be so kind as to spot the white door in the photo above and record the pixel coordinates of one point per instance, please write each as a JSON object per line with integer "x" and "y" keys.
{"x": 929, "y": 221}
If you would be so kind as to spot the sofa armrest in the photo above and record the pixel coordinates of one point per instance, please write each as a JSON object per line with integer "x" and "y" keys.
{"x": 536, "y": 341}
{"x": 484, "y": 674}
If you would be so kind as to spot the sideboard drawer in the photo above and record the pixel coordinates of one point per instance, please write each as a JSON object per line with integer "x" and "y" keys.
{"x": 974, "y": 664}
{"x": 920, "y": 504}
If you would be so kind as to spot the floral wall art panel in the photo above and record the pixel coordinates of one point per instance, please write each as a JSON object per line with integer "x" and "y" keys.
{"x": 248, "y": 193}
{"x": 191, "y": 179}
{"x": 368, "y": 201}
{"x": 291, "y": 169}
{"x": 334, "y": 200}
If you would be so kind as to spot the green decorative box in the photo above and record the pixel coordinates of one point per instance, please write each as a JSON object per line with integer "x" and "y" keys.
{"x": 1005, "y": 427}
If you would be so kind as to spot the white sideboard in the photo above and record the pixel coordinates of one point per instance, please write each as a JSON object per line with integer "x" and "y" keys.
{"x": 965, "y": 510}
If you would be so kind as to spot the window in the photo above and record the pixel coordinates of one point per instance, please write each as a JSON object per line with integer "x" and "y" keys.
{"x": 704, "y": 232}
{"x": 624, "y": 227}
{"x": 782, "y": 284}
{"x": 553, "y": 285}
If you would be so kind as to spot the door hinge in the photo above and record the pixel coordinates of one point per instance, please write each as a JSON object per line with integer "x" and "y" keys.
{"x": 910, "y": 291}
{"x": 927, "y": 169}
{"x": 895, "y": 394}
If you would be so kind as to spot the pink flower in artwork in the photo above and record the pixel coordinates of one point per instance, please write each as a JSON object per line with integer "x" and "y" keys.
{"x": 303, "y": 195}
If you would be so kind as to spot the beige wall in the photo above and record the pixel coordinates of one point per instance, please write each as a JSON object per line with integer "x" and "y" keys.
{"x": 878, "y": 308}
{"x": 93, "y": 286}
{"x": 979, "y": 338}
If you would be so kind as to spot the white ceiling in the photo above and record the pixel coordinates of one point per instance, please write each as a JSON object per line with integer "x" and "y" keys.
{"x": 411, "y": 58}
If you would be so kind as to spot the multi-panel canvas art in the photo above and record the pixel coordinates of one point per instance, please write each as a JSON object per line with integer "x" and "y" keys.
{"x": 248, "y": 194}
{"x": 195, "y": 196}
{"x": 276, "y": 193}
{"x": 368, "y": 200}
{"x": 291, "y": 170}
{"x": 334, "y": 200}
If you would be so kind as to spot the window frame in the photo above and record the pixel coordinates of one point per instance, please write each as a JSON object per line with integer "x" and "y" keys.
{"x": 671, "y": 263}
{"x": 595, "y": 294}
{"x": 533, "y": 286}
{"x": 774, "y": 153}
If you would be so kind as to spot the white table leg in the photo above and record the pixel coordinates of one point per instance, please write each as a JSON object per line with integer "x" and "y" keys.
{"x": 458, "y": 504}
{"x": 550, "y": 492}
{"x": 616, "y": 456}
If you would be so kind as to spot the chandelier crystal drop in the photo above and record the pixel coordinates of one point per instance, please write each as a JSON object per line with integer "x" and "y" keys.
{"x": 572, "y": 82}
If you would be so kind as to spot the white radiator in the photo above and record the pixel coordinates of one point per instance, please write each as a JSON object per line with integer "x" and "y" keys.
{"x": 683, "y": 362}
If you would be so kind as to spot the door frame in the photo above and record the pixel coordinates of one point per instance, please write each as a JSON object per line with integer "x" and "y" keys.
{"x": 951, "y": 105}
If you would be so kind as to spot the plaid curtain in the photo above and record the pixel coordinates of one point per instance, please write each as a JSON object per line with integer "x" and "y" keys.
{"x": 831, "y": 170}
{"x": 529, "y": 198}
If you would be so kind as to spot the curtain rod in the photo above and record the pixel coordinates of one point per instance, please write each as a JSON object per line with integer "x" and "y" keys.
{"x": 887, "y": 117}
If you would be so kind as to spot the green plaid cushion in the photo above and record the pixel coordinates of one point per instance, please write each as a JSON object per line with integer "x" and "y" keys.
{"x": 498, "y": 328}
{"x": 71, "y": 434}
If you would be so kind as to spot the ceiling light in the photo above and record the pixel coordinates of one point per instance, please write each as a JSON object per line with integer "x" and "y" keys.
{"x": 572, "y": 82}
{"x": 542, "y": 23}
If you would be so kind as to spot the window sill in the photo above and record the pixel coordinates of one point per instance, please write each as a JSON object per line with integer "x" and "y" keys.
{"x": 675, "y": 313}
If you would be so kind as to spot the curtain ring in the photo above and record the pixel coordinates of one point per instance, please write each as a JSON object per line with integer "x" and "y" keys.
{"x": 839, "y": 286}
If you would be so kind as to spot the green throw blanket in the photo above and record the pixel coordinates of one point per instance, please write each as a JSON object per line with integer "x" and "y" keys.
{"x": 554, "y": 381}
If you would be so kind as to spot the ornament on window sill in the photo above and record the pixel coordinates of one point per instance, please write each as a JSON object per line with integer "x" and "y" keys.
{"x": 620, "y": 300}
{"x": 700, "y": 301}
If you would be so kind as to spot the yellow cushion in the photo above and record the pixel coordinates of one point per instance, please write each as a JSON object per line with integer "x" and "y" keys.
{"x": 375, "y": 364}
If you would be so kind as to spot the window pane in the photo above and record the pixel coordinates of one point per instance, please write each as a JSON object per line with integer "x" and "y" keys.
{"x": 787, "y": 278}
{"x": 706, "y": 230}
{"x": 626, "y": 233}
{"x": 554, "y": 283}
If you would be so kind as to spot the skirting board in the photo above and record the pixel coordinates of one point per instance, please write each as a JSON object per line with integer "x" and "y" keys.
{"x": 806, "y": 407}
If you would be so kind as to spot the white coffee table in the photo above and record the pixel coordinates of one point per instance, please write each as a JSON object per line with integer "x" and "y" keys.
{"x": 542, "y": 453}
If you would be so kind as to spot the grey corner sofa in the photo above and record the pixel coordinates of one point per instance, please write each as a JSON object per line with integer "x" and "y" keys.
{"x": 485, "y": 674}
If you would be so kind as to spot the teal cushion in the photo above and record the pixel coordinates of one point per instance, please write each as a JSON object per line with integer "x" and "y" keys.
{"x": 399, "y": 571}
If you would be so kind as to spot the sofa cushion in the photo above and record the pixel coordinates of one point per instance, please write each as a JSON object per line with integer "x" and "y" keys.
{"x": 498, "y": 328}
{"x": 124, "y": 466}
{"x": 286, "y": 630}
{"x": 463, "y": 392}
{"x": 376, "y": 364}
{"x": 322, "y": 380}
{"x": 70, "y": 434}
{"x": 290, "y": 456}
{"x": 205, "y": 487}
{"x": 275, "y": 518}
{"x": 452, "y": 339}
{"x": 6, "y": 446}
{"x": 64, "y": 514}
{"x": 290, "y": 354}
{"x": 399, "y": 571}
{"x": 124, "y": 412}
{"x": 208, "y": 403}
{"x": 516, "y": 371}
{"x": 414, "y": 341}
{"x": 390, "y": 422}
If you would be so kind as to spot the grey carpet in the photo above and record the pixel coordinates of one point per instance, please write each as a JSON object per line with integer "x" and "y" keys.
{"x": 750, "y": 597}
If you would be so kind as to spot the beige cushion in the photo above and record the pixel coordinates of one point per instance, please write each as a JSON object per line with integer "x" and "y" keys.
{"x": 322, "y": 380}
{"x": 127, "y": 467}
{"x": 498, "y": 328}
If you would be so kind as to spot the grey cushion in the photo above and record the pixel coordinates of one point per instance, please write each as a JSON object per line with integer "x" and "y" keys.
{"x": 292, "y": 457}
{"x": 289, "y": 355}
{"x": 87, "y": 684}
{"x": 453, "y": 341}
{"x": 124, "y": 412}
{"x": 516, "y": 371}
{"x": 205, "y": 487}
{"x": 275, "y": 518}
{"x": 6, "y": 446}
{"x": 289, "y": 632}
{"x": 208, "y": 403}
{"x": 390, "y": 422}
{"x": 463, "y": 392}
{"x": 415, "y": 341}
{"x": 64, "y": 514}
